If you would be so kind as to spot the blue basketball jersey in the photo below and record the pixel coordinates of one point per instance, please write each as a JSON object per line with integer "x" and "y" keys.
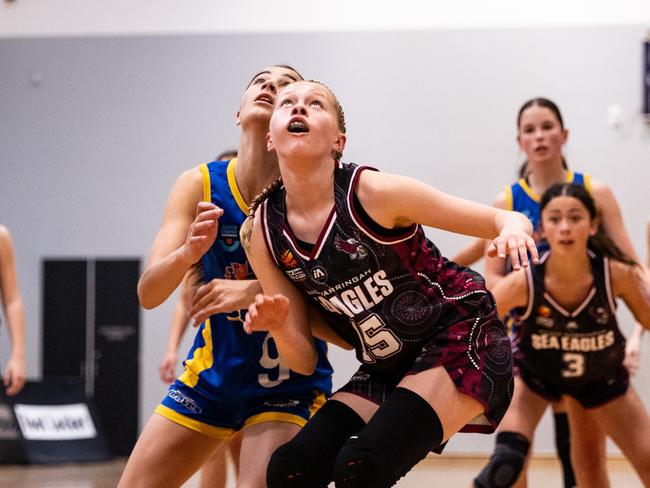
{"x": 520, "y": 197}
{"x": 224, "y": 360}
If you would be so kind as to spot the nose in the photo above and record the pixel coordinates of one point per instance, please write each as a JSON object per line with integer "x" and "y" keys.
{"x": 298, "y": 109}
{"x": 270, "y": 85}
{"x": 564, "y": 225}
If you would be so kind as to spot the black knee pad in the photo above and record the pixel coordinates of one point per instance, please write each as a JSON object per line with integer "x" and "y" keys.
{"x": 307, "y": 460}
{"x": 506, "y": 461}
{"x": 563, "y": 447}
{"x": 401, "y": 433}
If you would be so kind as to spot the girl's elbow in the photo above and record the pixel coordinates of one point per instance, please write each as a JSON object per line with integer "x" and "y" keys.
{"x": 145, "y": 300}
{"x": 306, "y": 367}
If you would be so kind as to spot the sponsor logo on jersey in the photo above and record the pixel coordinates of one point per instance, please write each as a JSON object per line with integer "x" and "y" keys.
{"x": 237, "y": 271}
{"x": 282, "y": 403}
{"x": 601, "y": 315}
{"x": 544, "y": 311}
{"x": 571, "y": 325}
{"x": 358, "y": 298}
{"x": 287, "y": 259}
{"x": 184, "y": 400}
{"x": 228, "y": 237}
{"x": 544, "y": 321}
{"x": 294, "y": 273}
{"x": 352, "y": 247}
{"x": 318, "y": 274}
{"x": 573, "y": 342}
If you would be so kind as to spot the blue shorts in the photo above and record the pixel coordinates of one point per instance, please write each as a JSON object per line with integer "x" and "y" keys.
{"x": 222, "y": 417}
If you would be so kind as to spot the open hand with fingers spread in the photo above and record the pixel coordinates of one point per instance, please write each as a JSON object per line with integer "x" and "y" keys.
{"x": 267, "y": 313}
{"x": 515, "y": 244}
{"x": 203, "y": 231}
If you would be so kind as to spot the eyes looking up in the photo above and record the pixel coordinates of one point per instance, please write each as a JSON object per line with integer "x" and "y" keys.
{"x": 263, "y": 79}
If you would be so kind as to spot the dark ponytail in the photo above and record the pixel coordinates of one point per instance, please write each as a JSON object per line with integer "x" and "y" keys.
{"x": 600, "y": 243}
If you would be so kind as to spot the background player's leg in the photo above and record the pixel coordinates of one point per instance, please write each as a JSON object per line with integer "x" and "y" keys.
{"x": 523, "y": 415}
{"x": 588, "y": 450}
{"x": 166, "y": 455}
{"x": 563, "y": 442}
{"x": 626, "y": 421}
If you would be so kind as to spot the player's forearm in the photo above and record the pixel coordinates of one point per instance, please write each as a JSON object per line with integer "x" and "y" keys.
{"x": 16, "y": 325}
{"x": 160, "y": 279}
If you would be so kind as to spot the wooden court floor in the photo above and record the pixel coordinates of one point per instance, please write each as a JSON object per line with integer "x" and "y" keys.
{"x": 445, "y": 471}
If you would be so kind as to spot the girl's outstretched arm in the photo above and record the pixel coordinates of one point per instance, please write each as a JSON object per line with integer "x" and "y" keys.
{"x": 399, "y": 201}
{"x": 281, "y": 309}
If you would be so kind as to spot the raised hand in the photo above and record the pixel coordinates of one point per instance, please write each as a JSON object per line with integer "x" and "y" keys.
{"x": 203, "y": 231}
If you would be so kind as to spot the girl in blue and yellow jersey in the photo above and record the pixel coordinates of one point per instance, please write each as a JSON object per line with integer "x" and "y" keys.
{"x": 232, "y": 382}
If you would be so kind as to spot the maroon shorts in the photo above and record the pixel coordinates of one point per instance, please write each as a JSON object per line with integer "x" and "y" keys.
{"x": 475, "y": 352}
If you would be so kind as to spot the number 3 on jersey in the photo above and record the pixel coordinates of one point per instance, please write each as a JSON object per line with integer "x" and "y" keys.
{"x": 378, "y": 341}
{"x": 575, "y": 365}
{"x": 271, "y": 363}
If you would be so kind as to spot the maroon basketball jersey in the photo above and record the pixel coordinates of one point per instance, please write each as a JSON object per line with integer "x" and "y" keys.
{"x": 385, "y": 291}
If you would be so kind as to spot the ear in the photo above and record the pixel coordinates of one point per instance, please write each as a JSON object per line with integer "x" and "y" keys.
{"x": 565, "y": 135}
{"x": 519, "y": 142}
{"x": 540, "y": 230}
{"x": 339, "y": 142}
{"x": 238, "y": 119}
{"x": 269, "y": 142}
{"x": 593, "y": 227}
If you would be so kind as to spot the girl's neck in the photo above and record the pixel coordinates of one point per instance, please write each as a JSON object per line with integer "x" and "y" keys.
{"x": 543, "y": 176}
{"x": 568, "y": 267}
{"x": 256, "y": 166}
{"x": 309, "y": 185}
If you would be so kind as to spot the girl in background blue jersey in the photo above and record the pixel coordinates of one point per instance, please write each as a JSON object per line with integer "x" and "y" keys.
{"x": 232, "y": 382}
{"x": 541, "y": 136}
{"x": 567, "y": 341}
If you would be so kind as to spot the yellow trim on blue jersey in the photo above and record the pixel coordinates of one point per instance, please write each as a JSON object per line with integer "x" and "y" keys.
{"x": 289, "y": 418}
{"x": 319, "y": 401}
{"x": 232, "y": 183}
{"x": 587, "y": 179}
{"x": 529, "y": 191}
{"x": 508, "y": 192}
{"x": 220, "y": 433}
{"x": 201, "y": 359}
{"x": 207, "y": 196}
{"x": 569, "y": 176}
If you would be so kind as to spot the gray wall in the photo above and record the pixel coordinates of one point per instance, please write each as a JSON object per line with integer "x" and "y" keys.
{"x": 93, "y": 131}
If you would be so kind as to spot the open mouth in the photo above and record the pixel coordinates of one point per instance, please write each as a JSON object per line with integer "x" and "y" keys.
{"x": 566, "y": 242}
{"x": 298, "y": 126}
{"x": 541, "y": 149}
{"x": 265, "y": 98}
